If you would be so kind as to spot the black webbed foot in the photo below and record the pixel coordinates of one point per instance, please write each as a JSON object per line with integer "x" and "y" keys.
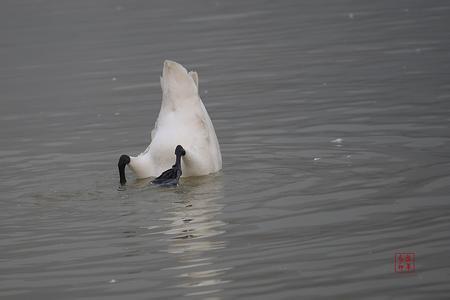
{"x": 169, "y": 177}
{"x": 172, "y": 176}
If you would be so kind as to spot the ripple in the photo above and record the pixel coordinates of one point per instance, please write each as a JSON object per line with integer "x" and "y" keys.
{"x": 284, "y": 83}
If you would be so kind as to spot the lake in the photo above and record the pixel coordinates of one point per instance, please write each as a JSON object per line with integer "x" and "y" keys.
{"x": 333, "y": 120}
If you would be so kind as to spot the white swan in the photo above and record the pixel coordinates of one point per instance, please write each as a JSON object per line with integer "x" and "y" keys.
{"x": 183, "y": 126}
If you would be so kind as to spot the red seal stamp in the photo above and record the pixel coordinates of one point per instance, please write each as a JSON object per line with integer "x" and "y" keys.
{"x": 405, "y": 262}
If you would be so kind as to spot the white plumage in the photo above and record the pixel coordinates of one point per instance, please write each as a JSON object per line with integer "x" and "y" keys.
{"x": 182, "y": 120}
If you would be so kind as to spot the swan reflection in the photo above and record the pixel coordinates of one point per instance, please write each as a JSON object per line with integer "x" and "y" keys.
{"x": 194, "y": 234}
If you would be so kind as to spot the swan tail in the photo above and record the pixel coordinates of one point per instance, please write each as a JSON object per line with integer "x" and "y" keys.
{"x": 194, "y": 77}
{"x": 177, "y": 84}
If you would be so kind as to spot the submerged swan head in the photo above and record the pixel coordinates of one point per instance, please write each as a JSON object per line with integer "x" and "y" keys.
{"x": 182, "y": 122}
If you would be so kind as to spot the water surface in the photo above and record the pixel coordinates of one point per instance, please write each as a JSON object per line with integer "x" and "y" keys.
{"x": 333, "y": 120}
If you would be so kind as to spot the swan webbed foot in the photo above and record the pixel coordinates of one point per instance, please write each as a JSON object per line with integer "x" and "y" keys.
{"x": 169, "y": 177}
{"x": 172, "y": 176}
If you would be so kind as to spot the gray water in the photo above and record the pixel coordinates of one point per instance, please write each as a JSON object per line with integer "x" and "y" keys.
{"x": 333, "y": 119}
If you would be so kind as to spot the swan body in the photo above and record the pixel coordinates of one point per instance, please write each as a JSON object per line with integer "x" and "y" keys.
{"x": 182, "y": 120}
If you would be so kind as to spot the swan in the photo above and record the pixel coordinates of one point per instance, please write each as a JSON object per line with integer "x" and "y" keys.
{"x": 183, "y": 128}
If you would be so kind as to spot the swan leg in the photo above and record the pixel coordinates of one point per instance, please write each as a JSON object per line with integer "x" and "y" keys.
{"x": 172, "y": 176}
{"x": 123, "y": 161}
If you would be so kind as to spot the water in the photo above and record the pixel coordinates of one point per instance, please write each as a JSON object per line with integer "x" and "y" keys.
{"x": 333, "y": 119}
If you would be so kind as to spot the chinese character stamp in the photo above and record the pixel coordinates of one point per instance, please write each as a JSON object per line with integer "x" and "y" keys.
{"x": 405, "y": 262}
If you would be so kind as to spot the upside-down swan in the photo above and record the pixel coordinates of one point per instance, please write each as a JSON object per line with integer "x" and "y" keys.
{"x": 183, "y": 126}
